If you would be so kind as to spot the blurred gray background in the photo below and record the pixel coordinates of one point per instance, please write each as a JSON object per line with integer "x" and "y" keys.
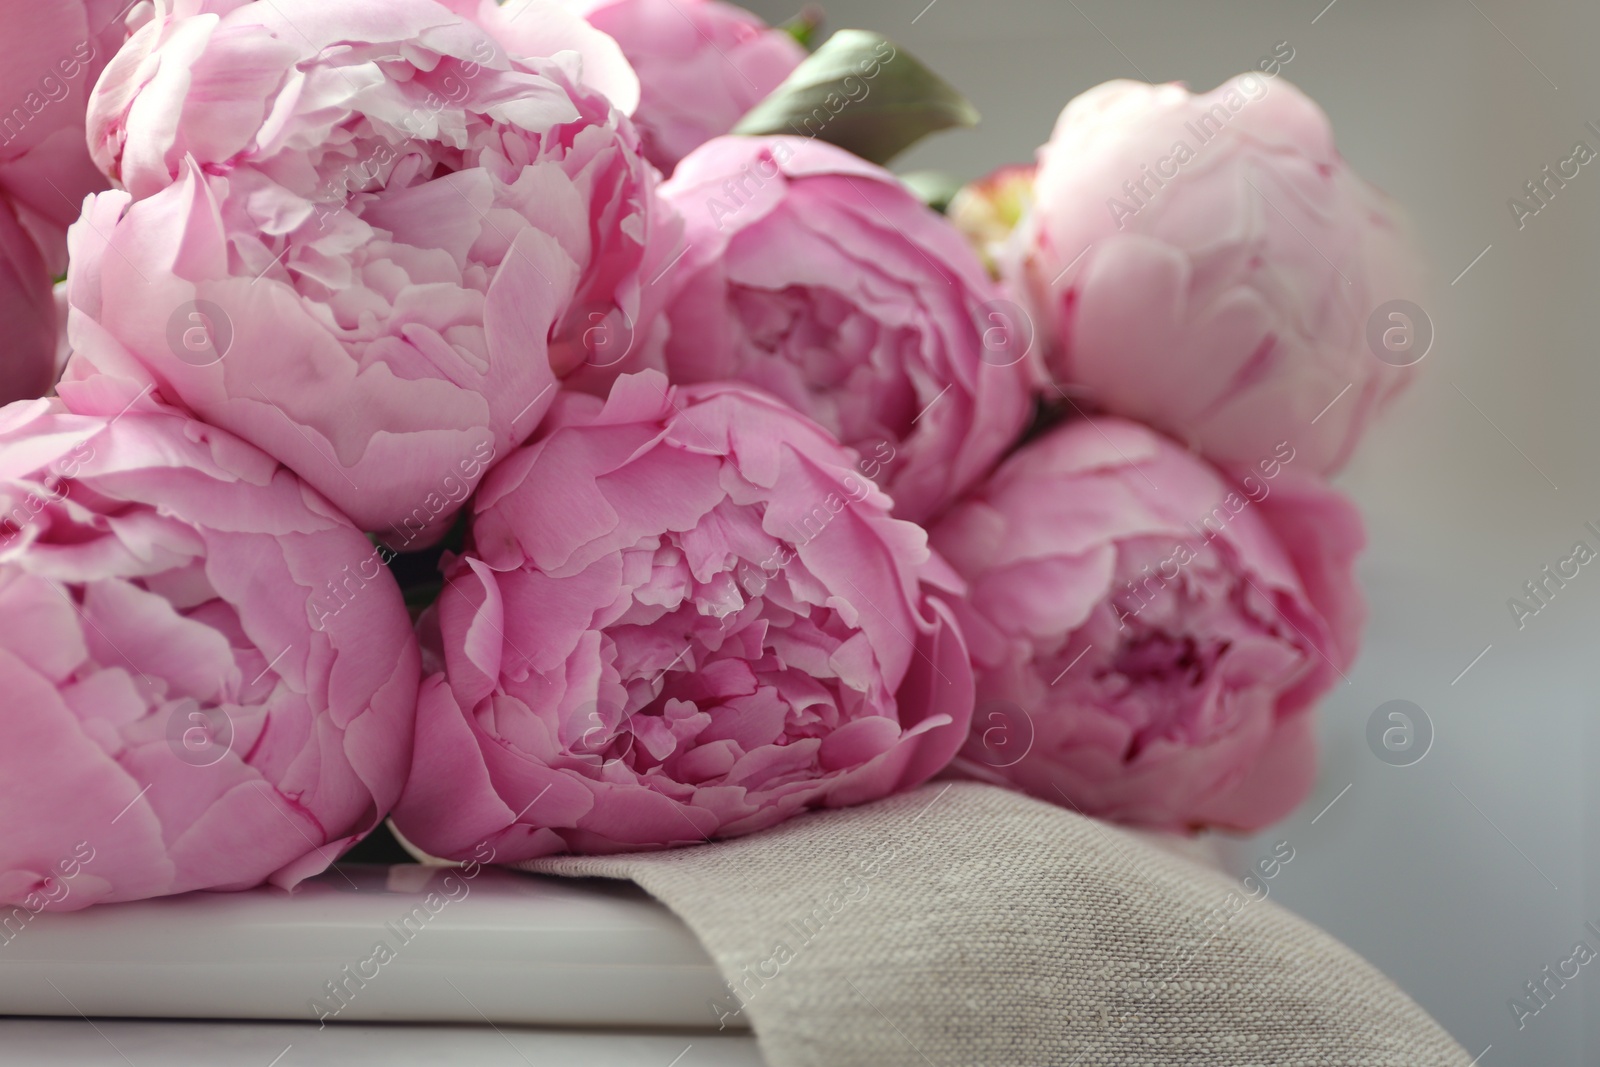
{"x": 1466, "y": 873}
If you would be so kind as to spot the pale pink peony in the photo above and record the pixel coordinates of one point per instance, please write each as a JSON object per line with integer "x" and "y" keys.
{"x": 209, "y": 677}
{"x": 360, "y": 236}
{"x": 820, "y": 278}
{"x": 50, "y": 55}
{"x": 533, "y": 28}
{"x": 716, "y": 626}
{"x": 701, "y": 63}
{"x": 1209, "y": 265}
{"x": 1149, "y": 636}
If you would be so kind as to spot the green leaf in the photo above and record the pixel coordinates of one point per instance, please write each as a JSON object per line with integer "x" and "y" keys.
{"x": 864, "y": 93}
{"x": 936, "y": 188}
{"x": 804, "y": 26}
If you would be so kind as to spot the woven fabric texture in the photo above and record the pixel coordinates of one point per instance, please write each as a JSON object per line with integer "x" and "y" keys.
{"x": 961, "y": 925}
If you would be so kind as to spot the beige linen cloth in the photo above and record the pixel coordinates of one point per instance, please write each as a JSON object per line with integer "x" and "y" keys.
{"x": 961, "y": 925}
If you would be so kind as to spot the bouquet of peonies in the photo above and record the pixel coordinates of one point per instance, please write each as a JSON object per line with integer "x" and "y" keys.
{"x": 549, "y": 425}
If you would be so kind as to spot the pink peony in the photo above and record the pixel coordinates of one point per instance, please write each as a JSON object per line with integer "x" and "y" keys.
{"x": 1150, "y": 637}
{"x": 360, "y": 236}
{"x": 1209, "y": 265}
{"x": 716, "y": 626}
{"x": 28, "y": 309}
{"x": 534, "y": 28}
{"x": 50, "y": 55}
{"x": 702, "y": 64}
{"x": 209, "y": 678}
{"x": 820, "y": 278}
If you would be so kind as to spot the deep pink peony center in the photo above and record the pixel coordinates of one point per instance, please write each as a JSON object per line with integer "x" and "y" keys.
{"x": 840, "y": 364}
{"x": 1187, "y": 657}
{"x": 719, "y": 667}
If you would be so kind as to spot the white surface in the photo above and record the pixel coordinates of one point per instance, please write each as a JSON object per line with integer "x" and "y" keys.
{"x": 119, "y": 1043}
{"x": 1447, "y": 105}
{"x": 513, "y": 948}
